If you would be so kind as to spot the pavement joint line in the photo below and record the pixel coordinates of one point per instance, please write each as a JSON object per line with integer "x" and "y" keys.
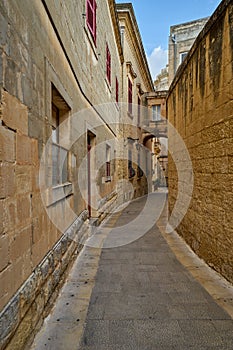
{"x": 216, "y": 285}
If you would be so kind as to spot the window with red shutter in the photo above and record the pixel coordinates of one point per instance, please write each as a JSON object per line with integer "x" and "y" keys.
{"x": 108, "y": 64}
{"x": 139, "y": 111}
{"x": 117, "y": 91}
{"x": 130, "y": 96}
{"x": 91, "y": 18}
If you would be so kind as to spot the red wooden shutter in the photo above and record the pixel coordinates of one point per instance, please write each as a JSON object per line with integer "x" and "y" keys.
{"x": 108, "y": 64}
{"x": 117, "y": 91}
{"x": 139, "y": 111}
{"x": 130, "y": 95}
{"x": 91, "y": 17}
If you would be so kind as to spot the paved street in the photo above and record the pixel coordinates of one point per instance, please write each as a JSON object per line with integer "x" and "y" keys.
{"x": 135, "y": 297}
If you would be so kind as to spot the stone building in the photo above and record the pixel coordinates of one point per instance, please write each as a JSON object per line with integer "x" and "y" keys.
{"x": 200, "y": 107}
{"x": 182, "y": 37}
{"x": 136, "y": 82}
{"x": 65, "y": 67}
{"x": 154, "y": 129}
{"x": 161, "y": 81}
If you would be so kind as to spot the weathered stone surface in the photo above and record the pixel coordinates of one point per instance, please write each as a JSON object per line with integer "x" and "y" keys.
{"x": 4, "y": 251}
{"x": 38, "y": 290}
{"x": 23, "y": 149}
{"x": 14, "y": 113}
{"x": 7, "y": 144}
{"x": 7, "y": 180}
{"x": 207, "y": 132}
{"x": 9, "y": 320}
{"x": 23, "y": 209}
{"x": 32, "y": 61}
{"x": 10, "y": 214}
{"x": 20, "y": 244}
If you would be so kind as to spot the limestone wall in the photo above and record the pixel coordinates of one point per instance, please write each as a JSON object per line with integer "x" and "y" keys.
{"x": 135, "y": 70}
{"x": 181, "y": 39}
{"x": 200, "y": 106}
{"x": 46, "y": 44}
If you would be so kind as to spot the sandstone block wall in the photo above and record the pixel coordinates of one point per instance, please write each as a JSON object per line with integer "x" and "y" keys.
{"x": 135, "y": 68}
{"x": 200, "y": 106}
{"x": 45, "y": 44}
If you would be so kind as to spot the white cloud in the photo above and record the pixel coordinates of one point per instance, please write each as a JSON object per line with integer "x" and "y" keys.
{"x": 157, "y": 60}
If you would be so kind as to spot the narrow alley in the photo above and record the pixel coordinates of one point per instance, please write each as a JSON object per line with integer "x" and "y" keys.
{"x": 116, "y": 175}
{"x": 140, "y": 296}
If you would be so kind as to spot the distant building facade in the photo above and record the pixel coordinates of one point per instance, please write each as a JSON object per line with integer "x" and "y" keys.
{"x": 182, "y": 37}
{"x": 155, "y": 129}
{"x": 161, "y": 81}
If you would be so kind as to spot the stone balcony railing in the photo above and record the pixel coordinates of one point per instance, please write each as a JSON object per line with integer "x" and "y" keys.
{"x": 156, "y": 127}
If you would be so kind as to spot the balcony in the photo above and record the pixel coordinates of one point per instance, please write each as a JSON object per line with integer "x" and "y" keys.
{"x": 158, "y": 128}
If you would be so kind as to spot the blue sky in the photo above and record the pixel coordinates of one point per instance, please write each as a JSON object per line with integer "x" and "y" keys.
{"x": 155, "y": 18}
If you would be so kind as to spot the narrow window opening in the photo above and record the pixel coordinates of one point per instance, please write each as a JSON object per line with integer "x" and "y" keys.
{"x": 156, "y": 112}
{"x": 130, "y": 96}
{"x": 108, "y": 64}
{"x": 117, "y": 91}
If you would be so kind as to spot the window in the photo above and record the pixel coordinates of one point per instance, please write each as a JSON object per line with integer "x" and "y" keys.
{"x": 139, "y": 111}
{"x": 130, "y": 96}
{"x": 156, "y": 112}
{"x": 182, "y": 56}
{"x": 91, "y": 18}
{"x": 117, "y": 91}
{"x": 108, "y": 64}
{"x": 108, "y": 163}
{"x": 59, "y": 153}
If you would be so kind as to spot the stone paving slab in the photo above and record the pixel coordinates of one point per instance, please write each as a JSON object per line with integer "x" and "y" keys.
{"x": 144, "y": 298}
{"x": 137, "y": 296}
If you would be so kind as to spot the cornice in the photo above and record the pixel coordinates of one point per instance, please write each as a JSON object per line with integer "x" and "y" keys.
{"x": 126, "y": 13}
